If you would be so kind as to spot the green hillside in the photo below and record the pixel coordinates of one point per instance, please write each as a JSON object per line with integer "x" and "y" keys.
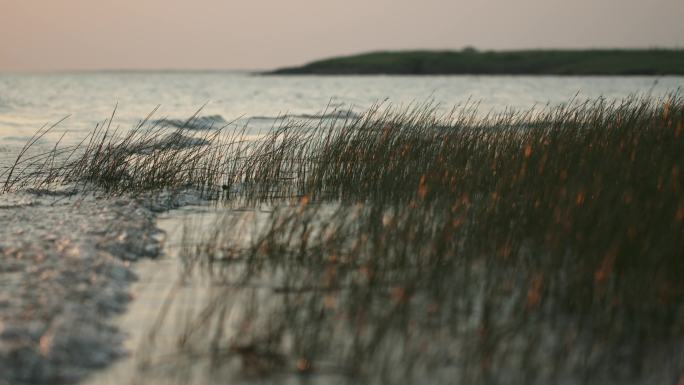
{"x": 471, "y": 61}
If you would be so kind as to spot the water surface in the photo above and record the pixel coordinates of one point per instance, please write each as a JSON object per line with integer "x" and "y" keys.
{"x": 28, "y": 101}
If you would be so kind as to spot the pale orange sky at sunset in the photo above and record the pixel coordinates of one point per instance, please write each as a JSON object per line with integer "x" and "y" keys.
{"x": 42, "y": 35}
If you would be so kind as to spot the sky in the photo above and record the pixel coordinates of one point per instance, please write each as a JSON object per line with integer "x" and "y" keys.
{"x": 64, "y": 35}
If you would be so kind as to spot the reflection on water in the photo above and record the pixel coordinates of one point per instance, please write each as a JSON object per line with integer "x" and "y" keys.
{"x": 362, "y": 294}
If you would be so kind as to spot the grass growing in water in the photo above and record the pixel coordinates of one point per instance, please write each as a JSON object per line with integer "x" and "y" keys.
{"x": 529, "y": 245}
{"x": 355, "y": 293}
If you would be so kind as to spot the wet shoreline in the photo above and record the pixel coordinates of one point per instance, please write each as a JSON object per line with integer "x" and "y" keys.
{"x": 65, "y": 273}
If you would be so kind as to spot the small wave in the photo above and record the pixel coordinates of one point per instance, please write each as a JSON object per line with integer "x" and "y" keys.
{"x": 326, "y": 116}
{"x": 53, "y": 192}
{"x": 173, "y": 141}
{"x": 280, "y": 117}
{"x": 332, "y": 115}
{"x": 197, "y": 123}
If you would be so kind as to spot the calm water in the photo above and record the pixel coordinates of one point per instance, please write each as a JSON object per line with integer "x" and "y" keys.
{"x": 28, "y": 101}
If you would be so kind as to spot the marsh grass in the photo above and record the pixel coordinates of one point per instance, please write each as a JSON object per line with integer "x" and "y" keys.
{"x": 151, "y": 156}
{"x": 387, "y": 155}
{"x": 359, "y": 292}
{"x": 407, "y": 243}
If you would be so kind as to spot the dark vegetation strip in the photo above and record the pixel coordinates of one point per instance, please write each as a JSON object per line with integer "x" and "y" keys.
{"x": 471, "y": 61}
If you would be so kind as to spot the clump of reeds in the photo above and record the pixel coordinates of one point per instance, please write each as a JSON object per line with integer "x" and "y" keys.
{"x": 384, "y": 154}
{"x": 601, "y": 180}
{"x": 568, "y": 216}
{"x": 152, "y": 156}
{"x": 406, "y": 293}
{"x": 498, "y": 236}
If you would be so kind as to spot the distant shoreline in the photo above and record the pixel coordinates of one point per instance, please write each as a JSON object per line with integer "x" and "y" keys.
{"x": 613, "y": 62}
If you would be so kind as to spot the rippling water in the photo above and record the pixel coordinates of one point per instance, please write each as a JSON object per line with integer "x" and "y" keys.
{"x": 28, "y": 101}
